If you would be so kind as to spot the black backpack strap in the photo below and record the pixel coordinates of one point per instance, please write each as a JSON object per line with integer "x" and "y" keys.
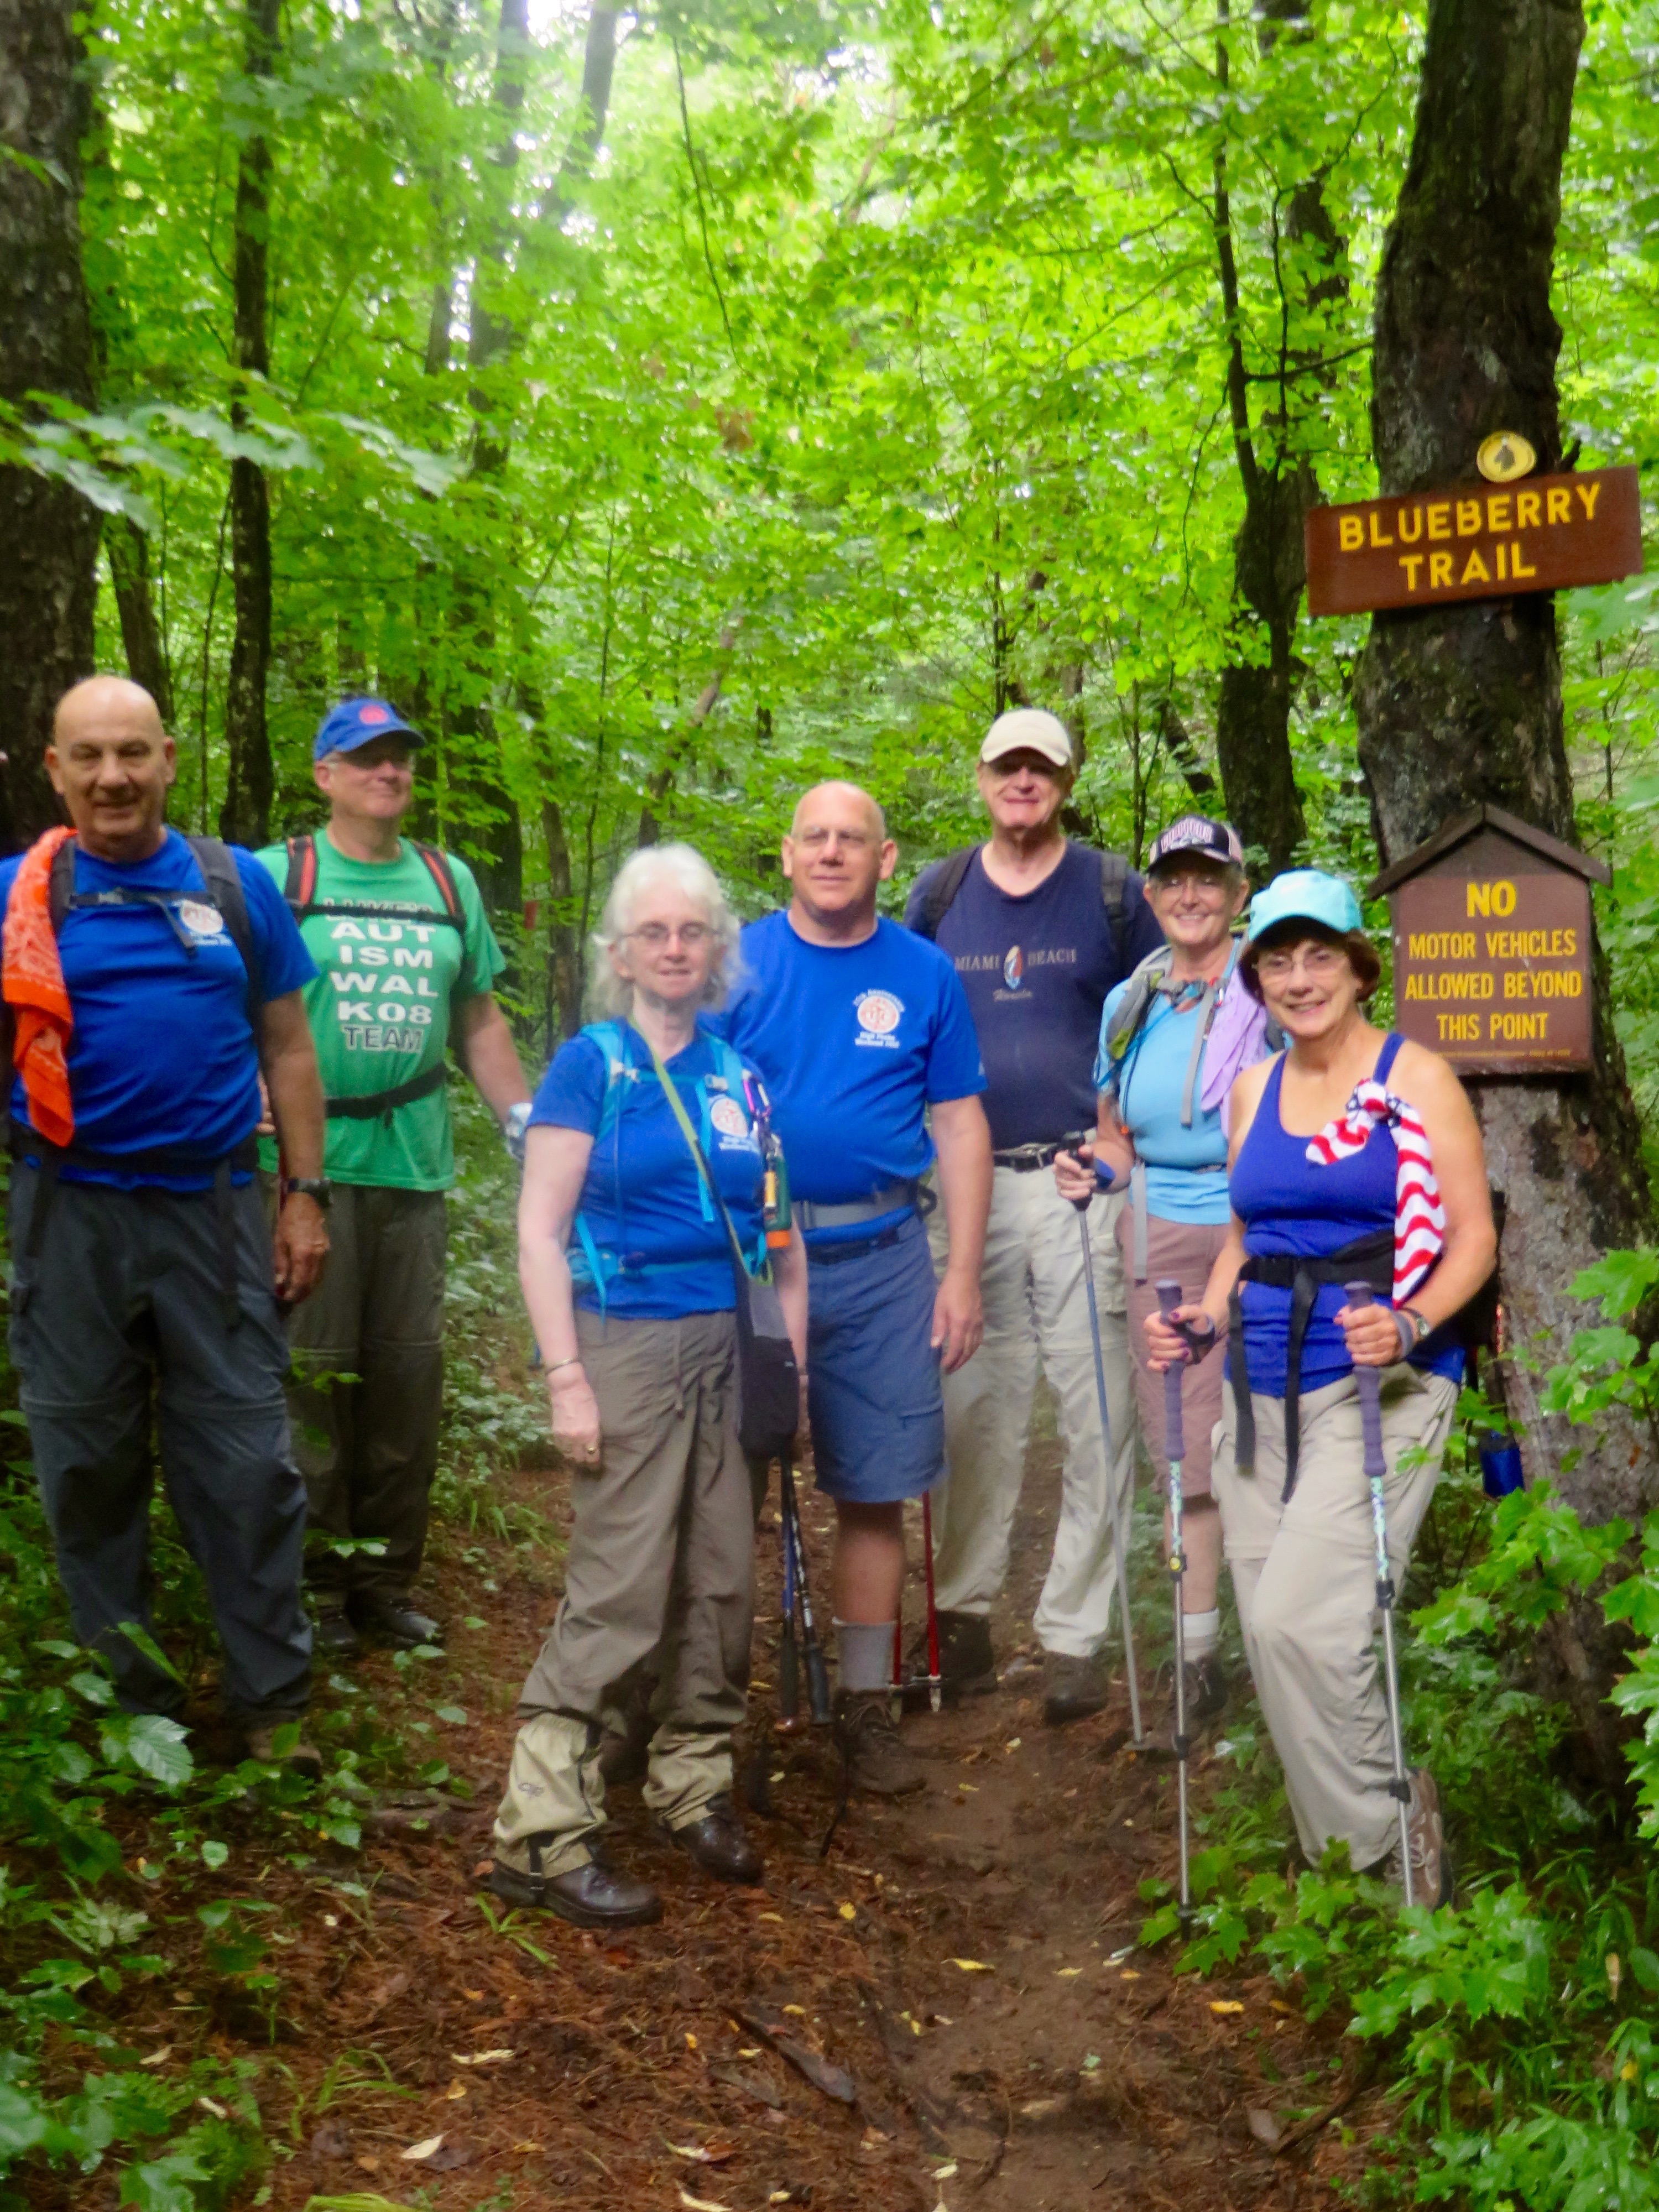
{"x": 945, "y": 880}
{"x": 1114, "y": 873}
{"x": 224, "y": 884}
{"x": 60, "y": 888}
{"x": 444, "y": 876}
{"x": 300, "y": 885}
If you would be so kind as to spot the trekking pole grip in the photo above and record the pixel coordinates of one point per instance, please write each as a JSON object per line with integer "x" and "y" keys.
{"x": 1371, "y": 1403}
{"x": 1169, "y": 1298}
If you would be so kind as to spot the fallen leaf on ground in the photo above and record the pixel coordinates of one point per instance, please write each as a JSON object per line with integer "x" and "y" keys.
{"x": 526, "y": 2146}
{"x": 799, "y": 2011}
{"x": 480, "y": 2057}
{"x": 1263, "y": 2126}
{"x": 1012, "y": 1744}
{"x": 427, "y": 2148}
{"x": 778, "y": 1916}
{"x": 1067, "y": 1973}
{"x": 714, "y": 2153}
{"x": 1129, "y": 1974}
{"x": 946, "y": 2172}
{"x": 158, "y": 2058}
{"x": 701, "y": 2203}
{"x": 1225, "y": 2005}
{"x": 455, "y": 2090}
{"x": 1040, "y": 2108}
{"x": 973, "y": 1966}
{"x": 848, "y": 1911}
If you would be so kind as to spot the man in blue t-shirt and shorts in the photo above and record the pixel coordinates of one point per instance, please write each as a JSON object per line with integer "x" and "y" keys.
{"x": 141, "y": 1260}
{"x": 861, "y": 1033}
{"x": 1040, "y": 930}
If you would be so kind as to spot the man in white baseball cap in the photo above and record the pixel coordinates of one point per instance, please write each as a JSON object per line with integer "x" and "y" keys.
{"x": 1040, "y": 930}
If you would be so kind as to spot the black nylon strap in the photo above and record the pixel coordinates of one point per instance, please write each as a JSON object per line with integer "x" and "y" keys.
{"x": 375, "y": 1103}
{"x": 1370, "y": 1258}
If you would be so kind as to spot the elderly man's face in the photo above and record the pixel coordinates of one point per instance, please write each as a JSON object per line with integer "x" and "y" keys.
{"x": 112, "y": 764}
{"x": 1023, "y": 790}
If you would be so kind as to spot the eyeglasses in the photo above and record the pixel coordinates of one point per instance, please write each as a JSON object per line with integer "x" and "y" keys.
{"x": 1320, "y": 962}
{"x": 654, "y": 935}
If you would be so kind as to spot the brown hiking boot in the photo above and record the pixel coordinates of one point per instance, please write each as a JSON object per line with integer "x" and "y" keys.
{"x": 1072, "y": 1688}
{"x": 304, "y": 1758}
{"x": 1431, "y": 1866}
{"x": 877, "y": 1762}
{"x": 966, "y": 1664}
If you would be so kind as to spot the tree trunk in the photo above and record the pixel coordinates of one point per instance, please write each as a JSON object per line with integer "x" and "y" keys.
{"x": 564, "y": 950}
{"x": 245, "y": 817}
{"x": 48, "y": 533}
{"x": 140, "y": 634}
{"x": 1461, "y": 704}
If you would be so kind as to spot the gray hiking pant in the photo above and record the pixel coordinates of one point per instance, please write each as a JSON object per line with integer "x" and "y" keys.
{"x": 661, "y": 1554}
{"x": 125, "y": 1297}
{"x": 368, "y": 1449}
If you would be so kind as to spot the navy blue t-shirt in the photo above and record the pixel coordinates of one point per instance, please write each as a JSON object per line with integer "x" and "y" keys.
{"x": 853, "y": 1042}
{"x": 1036, "y": 970}
{"x": 163, "y": 1057}
{"x": 642, "y": 1196}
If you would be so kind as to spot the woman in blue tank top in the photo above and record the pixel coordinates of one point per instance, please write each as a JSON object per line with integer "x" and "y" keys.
{"x": 1315, "y": 1203}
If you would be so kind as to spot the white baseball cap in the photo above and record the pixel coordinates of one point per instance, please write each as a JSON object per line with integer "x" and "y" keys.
{"x": 1028, "y": 730}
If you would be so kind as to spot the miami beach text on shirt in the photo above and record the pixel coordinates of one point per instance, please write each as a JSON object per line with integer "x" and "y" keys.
{"x": 1475, "y": 541}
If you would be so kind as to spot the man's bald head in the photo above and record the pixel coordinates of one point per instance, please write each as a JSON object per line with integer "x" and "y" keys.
{"x": 104, "y": 701}
{"x": 111, "y": 764}
{"x": 830, "y": 799}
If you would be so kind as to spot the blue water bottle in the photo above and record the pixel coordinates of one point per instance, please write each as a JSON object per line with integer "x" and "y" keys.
{"x": 1500, "y": 1466}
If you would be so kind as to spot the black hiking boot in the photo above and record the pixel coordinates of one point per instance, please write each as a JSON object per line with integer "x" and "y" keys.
{"x": 966, "y": 1664}
{"x": 1072, "y": 1688}
{"x": 589, "y": 1896}
{"x": 877, "y": 1762}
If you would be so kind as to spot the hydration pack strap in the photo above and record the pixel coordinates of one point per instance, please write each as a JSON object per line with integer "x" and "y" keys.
{"x": 1368, "y": 1259}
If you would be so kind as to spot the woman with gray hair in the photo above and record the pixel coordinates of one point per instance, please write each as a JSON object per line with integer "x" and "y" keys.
{"x": 625, "y": 1257}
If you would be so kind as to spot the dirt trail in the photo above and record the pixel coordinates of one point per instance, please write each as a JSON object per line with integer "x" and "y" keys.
{"x": 1052, "y": 2072}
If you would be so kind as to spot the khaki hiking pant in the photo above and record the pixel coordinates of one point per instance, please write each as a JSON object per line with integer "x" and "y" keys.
{"x": 1305, "y": 1576}
{"x": 661, "y": 1560}
{"x": 1037, "y": 1313}
{"x": 369, "y": 1449}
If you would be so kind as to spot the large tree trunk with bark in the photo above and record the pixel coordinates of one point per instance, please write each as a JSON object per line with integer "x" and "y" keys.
{"x": 48, "y": 533}
{"x": 140, "y": 634}
{"x": 1461, "y": 704}
{"x": 246, "y": 814}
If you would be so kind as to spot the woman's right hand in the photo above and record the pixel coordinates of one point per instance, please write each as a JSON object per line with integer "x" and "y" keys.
{"x": 576, "y": 1414}
{"x": 1165, "y": 1345}
{"x": 1074, "y": 1175}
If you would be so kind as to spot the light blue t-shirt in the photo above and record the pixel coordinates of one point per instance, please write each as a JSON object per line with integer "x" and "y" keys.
{"x": 1151, "y": 1083}
{"x": 853, "y": 1042}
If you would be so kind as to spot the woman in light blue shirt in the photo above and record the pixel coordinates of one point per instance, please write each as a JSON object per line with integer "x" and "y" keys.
{"x": 1172, "y": 1038}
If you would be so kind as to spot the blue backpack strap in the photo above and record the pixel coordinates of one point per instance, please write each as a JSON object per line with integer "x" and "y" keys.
{"x": 608, "y": 1036}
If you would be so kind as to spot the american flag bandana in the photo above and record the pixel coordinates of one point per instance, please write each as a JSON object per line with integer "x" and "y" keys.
{"x": 1420, "y": 1218}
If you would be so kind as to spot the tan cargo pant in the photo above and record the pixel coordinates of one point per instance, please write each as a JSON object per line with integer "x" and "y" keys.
{"x": 661, "y": 1560}
{"x": 1305, "y": 1576}
{"x": 1036, "y": 1310}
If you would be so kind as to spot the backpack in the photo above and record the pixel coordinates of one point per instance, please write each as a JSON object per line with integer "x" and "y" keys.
{"x": 945, "y": 879}
{"x": 300, "y": 889}
{"x": 224, "y": 893}
{"x": 590, "y": 1263}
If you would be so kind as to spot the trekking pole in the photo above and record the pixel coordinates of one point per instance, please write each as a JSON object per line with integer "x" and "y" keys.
{"x": 817, "y": 1673}
{"x": 1376, "y": 1467}
{"x": 935, "y": 1681}
{"x": 1119, "y": 1548}
{"x": 788, "y": 1649}
{"x": 1169, "y": 1298}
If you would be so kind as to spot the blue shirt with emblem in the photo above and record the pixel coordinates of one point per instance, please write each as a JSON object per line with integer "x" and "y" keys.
{"x": 642, "y": 1198}
{"x": 854, "y": 1042}
{"x": 164, "y": 1056}
{"x": 1037, "y": 966}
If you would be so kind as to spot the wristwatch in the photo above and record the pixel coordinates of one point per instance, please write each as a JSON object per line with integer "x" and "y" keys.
{"x": 1421, "y": 1327}
{"x": 314, "y": 1187}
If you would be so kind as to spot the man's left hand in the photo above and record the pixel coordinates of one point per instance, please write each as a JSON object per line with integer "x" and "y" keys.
{"x": 958, "y": 1321}
{"x": 300, "y": 1246}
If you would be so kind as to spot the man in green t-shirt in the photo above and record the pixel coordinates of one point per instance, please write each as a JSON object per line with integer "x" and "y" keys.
{"x": 408, "y": 963}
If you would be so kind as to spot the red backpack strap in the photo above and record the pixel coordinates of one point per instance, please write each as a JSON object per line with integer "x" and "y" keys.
{"x": 300, "y": 888}
{"x": 444, "y": 876}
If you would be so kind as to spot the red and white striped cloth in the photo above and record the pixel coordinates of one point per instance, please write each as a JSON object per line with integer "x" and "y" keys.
{"x": 1420, "y": 1218}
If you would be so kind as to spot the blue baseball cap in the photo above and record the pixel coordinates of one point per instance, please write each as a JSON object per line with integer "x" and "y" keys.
{"x": 1306, "y": 895}
{"x": 357, "y": 722}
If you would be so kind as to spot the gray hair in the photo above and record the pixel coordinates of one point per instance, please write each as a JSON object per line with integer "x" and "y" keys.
{"x": 640, "y": 873}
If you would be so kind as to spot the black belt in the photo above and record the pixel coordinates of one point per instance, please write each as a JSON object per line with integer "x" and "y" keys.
{"x": 1368, "y": 1260}
{"x": 374, "y": 1103}
{"x": 1023, "y": 1158}
{"x": 831, "y": 1256}
{"x": 167, "y": 1160}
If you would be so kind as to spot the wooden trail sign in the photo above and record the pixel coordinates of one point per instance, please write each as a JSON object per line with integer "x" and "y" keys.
{"x": 1475, "y": 541}
{"x": 1491, "y": 945}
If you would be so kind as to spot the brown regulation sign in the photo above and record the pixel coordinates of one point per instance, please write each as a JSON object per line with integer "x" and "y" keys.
{"x": 1491, "y": 945}
{"x": 1475, "y": 541}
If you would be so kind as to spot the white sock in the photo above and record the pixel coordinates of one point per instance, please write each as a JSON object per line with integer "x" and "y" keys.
{"x": 865, "y": 1649}
{"x": 1202, "y": 1632}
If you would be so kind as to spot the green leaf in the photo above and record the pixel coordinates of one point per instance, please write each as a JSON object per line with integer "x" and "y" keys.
{"x": 214, "y": 1853}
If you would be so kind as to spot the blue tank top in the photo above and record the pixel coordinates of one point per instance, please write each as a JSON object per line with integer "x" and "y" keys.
{"x": 1292, "y": 1205}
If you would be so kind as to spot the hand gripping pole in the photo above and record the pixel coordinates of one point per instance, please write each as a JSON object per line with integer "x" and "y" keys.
{"x": 1376, "y": 1469}
{"x": 1120, "y": 1546}
{"x": 1175, "y": 1443}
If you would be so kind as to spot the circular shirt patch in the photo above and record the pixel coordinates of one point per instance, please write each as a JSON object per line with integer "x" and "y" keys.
{"x": 200, "y": 921}
{"x": 878, "y": 1011}
{"x": 728, "y": 1117}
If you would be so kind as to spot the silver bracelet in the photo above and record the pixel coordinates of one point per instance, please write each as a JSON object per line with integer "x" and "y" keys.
{"x": 553, "y": 1366}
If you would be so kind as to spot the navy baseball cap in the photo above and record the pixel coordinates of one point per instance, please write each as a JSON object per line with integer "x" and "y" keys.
{"x": 357, "y": 722}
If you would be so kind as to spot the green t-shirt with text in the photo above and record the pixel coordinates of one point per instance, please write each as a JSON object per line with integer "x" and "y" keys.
{"x": 380, "y": 1008}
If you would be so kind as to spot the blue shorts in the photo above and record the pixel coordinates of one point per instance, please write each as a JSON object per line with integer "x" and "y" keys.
{"x": 873, "y": 1392}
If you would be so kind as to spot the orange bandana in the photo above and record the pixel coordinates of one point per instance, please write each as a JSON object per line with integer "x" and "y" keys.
{"x": 32, "y": 980}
